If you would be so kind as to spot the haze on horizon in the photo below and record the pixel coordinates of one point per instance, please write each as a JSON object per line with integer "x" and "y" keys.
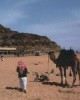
{"x": 59, "y": 20}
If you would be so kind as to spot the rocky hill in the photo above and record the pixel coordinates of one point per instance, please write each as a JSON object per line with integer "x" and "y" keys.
{"x": 27, "y": 41}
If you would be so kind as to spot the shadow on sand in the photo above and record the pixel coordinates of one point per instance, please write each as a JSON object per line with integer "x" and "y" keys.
{"x": 58, "y": 84}
{"x": 53, "y": 83}
{"x": 14, "y": 88}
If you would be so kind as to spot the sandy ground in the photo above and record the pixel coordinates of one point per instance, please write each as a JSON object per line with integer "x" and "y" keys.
{"x": 51, "y": 90}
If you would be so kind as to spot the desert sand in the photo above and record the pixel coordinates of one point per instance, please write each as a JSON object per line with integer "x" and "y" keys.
{"x": 50, "y": 90}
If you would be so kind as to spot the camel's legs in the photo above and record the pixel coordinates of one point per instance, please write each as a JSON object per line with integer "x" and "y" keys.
{"x": 79, "y": 75}
{"x": 74, "y": 75}
{"x": 65, "y": 80}
{"x": 61, "y": 73}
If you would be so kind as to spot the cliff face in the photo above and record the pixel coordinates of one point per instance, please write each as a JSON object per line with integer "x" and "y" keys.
{"x": 27, "y": 41}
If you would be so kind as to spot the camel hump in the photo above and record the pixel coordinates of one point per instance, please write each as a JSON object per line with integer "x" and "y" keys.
{"x": 71, "y": 54}
{"x": 67, "y": 54}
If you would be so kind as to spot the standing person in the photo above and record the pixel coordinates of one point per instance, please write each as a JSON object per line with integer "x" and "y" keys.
{"x": 22, "y": 75}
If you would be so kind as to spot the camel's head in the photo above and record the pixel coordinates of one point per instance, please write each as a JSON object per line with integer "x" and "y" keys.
{"x": 51, "y": 55}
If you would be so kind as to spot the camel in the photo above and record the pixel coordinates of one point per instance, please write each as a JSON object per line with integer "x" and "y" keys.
{"x": 66, "y": 58}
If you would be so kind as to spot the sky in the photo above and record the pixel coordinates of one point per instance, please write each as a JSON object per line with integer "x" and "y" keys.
{"x": 59, "y": 20}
